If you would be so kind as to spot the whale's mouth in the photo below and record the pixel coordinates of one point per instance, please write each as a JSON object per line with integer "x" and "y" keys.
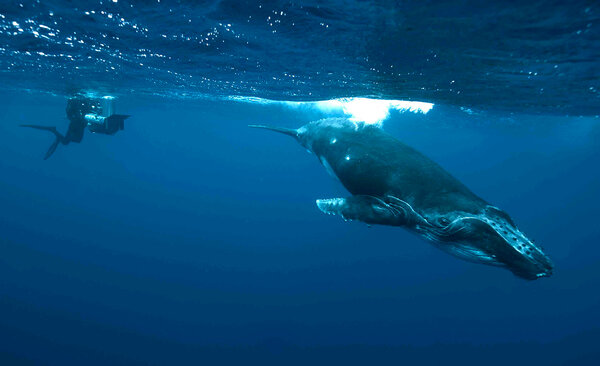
{"x": 490, "y": 238}
{"x": 508, "y": 246}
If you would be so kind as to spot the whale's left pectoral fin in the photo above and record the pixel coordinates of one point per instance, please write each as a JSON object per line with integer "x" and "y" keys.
{"x": 368, "y": 209}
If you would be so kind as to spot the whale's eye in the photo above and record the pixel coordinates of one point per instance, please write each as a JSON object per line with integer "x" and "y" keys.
{"x": 444, "y": 221}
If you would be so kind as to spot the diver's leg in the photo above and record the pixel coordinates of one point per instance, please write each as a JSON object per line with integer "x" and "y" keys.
{"x": 59, "y": 138}
{"x": 51, "y": 149}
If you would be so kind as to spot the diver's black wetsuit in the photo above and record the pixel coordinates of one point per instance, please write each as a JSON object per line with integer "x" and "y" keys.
{"x": 77, "y": 108}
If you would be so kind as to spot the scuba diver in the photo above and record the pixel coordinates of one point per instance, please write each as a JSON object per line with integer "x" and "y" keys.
{"x": 97, "y": 114}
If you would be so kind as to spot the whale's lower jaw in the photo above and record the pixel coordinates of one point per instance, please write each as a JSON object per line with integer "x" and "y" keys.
{"x": 498, "y": 252}
{"x": 448, "y": 239}
{"x": 488, "y": 238}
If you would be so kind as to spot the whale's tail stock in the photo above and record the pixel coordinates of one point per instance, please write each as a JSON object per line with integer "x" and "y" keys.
{"x": 286, "y": 131}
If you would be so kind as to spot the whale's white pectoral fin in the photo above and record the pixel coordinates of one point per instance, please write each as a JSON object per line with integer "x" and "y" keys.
{"x": 332, "y": 206}
{"x": 369, "y": 209}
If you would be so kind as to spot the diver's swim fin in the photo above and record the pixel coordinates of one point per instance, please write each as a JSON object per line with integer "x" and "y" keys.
{"x": 52, "y": 149}
{"x": 45, "y": 128}
{"x": 54, "y": 145}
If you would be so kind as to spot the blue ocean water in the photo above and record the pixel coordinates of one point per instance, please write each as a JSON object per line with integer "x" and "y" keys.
{"x": 189, "y": 238}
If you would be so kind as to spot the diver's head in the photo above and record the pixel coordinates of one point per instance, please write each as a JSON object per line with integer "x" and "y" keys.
{"x": 78, "y": 106}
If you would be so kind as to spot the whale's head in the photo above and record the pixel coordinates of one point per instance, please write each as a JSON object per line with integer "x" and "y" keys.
{"x": 490, "y": 237}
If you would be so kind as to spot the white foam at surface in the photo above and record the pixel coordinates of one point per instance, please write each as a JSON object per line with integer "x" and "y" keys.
{"x": 366, "y": 110}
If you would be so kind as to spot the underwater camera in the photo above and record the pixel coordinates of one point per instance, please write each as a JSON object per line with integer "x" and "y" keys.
{"x": 104, "y": 119}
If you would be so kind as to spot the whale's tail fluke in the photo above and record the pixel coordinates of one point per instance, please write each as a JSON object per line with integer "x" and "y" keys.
{"x": 54, "y": 145}
{"x": 286, "y": 131}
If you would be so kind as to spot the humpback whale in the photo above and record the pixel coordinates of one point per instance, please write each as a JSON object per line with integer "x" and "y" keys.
{"x": 393, "y": 184}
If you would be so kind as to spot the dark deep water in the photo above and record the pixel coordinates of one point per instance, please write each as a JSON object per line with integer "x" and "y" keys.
{"x": 188, "y": 238}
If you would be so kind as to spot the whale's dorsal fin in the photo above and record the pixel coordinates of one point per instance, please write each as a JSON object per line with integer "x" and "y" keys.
{"x": 368, "y": 209}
